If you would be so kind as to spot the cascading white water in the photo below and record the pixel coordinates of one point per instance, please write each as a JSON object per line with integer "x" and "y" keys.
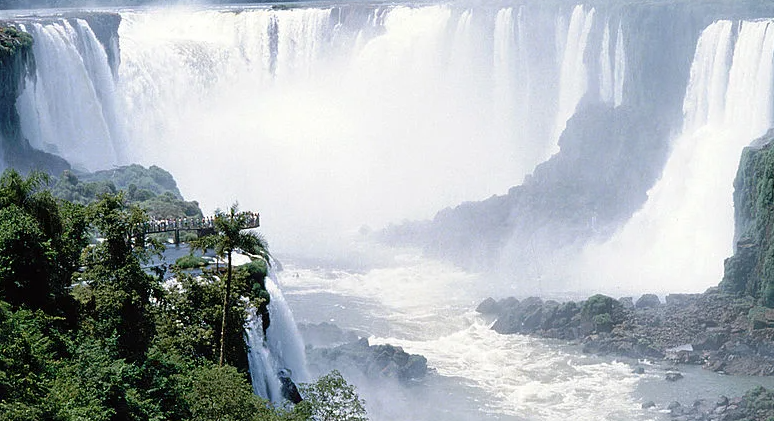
{"x": 72, "y": 113}
{"x": 619, "y": 72}
{"x": 282, "y": 336}
{"x": 573, "y": 76}
{"x": 329, "y": 104}
{"x": 612, "y": 67}
{"x": 263, "y": 368}
{"x": 281, "y": 349}
{"x": 679, "y": 239}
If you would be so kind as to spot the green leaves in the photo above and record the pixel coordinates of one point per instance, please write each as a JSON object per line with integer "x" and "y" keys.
{"x": 331, "y": 398}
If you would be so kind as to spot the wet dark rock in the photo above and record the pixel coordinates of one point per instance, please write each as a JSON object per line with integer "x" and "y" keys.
{"x": 648, "y": 404}
{"x": 673, "y": 377}
{"x": 681, "y": 300}
{"x": 648, "y": 301}
{"x": 713, "y": 329}
{"x": 627, "y": 302}
{"x": 374, "y": 361}
{"x": 288, "y": 388}
{"x": 489, "y": 306}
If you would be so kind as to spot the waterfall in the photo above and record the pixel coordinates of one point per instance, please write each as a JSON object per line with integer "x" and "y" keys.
{"x": 281, "y": 349}
{"x": 619, "y": 71}
{"x": 282, "y": 336}
{"x": 263, "y": 368}
{"x": 612, "y": 67}
{"x": 69, "y": 107}
{"x": 328, "y": 99}
{"x": 573, "y": 76}
{"x": 679, "y": 239}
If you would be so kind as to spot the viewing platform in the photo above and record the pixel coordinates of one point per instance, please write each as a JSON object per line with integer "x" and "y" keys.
{"x": 203, "y": 226}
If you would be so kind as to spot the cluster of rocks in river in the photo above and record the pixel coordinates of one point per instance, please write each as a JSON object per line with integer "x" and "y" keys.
{"x": 757, "y": 404}
{"x": 329, "y": 346}
{"x": 722, "y": 332}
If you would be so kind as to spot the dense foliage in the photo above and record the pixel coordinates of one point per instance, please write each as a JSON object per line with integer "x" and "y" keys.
{"x": 89, "y": 332}
{"x": 152, "y": 189}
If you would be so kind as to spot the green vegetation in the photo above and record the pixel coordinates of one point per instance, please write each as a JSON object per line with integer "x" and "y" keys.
{"x": 230, "y": 235}
{"x": 191, "y": 262}
{"x": 152, "y": 189}
{"x": 332, "y": 399}
{"x": 12, "y": 39}
{"x": 88, "y": 333}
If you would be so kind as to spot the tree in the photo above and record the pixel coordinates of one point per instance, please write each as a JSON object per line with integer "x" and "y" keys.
{"x": 114, "y": 289}
{"x": 40, "y": 242}
{"x": 230, "y": 236}
{"x": 331, "y": 398}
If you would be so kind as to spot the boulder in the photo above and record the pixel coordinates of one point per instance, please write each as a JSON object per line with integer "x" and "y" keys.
{"x": 681, "y": 300}
{"x": 648, "y": 301}
{"x": 627, "y": 303}
{"x": 673, "y": 376}
{"x": 373, "y": 360}
{"x": 489, "y": 306}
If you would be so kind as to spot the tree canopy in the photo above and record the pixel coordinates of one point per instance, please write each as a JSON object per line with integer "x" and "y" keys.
{"x": 88, "y": 331}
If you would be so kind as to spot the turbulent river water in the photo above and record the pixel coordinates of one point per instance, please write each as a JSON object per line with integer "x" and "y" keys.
{"x": 426, "y": 307}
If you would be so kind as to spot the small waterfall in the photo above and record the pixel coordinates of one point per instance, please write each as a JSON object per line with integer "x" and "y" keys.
{"x": 282, "y": 348}
{"x": 573, "y": 81}
{"x": 612, "y": 67}
{"x": 282, "y": 336}
{"x": 263, "y": 368}
{"x": 619, "y": 73}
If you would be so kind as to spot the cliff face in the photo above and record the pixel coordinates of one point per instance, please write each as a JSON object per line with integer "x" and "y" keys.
{"x": 16, "y": 64}
{"x": 750, "y": 270}
{"x": 608, "y": 161}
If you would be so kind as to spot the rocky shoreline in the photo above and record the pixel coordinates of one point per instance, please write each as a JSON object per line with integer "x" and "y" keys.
{"x": 721, "y": 332}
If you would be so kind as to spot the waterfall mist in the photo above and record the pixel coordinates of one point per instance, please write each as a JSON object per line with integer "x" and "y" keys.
{"x": 329, "y": 119}
{"x": 679, "y": 239}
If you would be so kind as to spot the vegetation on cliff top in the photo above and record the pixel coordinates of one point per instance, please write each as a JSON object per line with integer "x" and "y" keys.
{"x": 88, "y": 332}
{"x": 152, "y": 189}
{"x": 12, "y": 39}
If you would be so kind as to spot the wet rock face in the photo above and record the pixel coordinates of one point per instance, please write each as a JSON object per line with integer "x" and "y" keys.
{"x": 749, "y": 270}
{"x": 375, "y": 361}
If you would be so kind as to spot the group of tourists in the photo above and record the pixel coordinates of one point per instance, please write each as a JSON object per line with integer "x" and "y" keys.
{"x": 161, "y": 225}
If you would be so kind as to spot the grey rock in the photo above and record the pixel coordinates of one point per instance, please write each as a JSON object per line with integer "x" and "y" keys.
{"x": 648, "y": 301}
{"x": 489, "y": 306}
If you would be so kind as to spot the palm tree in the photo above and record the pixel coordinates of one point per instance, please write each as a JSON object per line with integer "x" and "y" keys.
{"x": 229, "y": 236}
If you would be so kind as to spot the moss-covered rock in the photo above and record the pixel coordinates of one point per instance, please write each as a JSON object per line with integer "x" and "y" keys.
{"x": 751, "y": 270}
